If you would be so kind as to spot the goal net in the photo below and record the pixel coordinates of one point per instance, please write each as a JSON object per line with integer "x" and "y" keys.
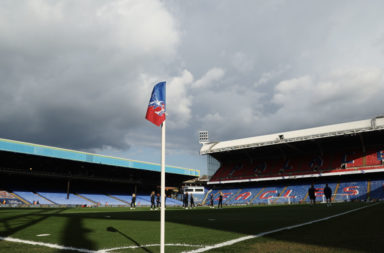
{"x": 338, "y": 197}
{"x": 279, "y": 200}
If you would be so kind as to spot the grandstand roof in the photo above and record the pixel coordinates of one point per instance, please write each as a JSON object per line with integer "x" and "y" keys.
{"x": 349, "y": 128}
{"x": 67, "y": 154}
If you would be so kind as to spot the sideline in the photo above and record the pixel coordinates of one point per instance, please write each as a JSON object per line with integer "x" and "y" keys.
{"x": 231, "y": 242}
{"x": 44, "y": 244}
{"x": 56, "y": 246}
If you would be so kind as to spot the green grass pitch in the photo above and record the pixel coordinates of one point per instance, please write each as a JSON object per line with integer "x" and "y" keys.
{"x": 117, "y": 229}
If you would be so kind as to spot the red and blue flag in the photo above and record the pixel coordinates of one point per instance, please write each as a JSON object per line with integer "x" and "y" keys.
{"x": 156, "y": 106}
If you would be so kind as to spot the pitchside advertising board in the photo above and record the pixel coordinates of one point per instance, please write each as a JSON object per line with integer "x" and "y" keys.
{"x": 194, "y": 189}
{"x": 7, "y": 198}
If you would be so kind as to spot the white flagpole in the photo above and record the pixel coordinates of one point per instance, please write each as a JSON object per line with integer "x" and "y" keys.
{"x": 162, "y": 208}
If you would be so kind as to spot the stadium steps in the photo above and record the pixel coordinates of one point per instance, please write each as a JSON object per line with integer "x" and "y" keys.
{"x": 41, "y": 196}
{"x": 368, "y": 190}
{"x": 305, "y": 197}
{"x": 20, "y": 198}
{"x": 205, "y": 198}
{"x": 116, "y": 198}
{"x": 256, "y": 196}
{"x": 282, "y": 191}
{"x": 334, "y": 194}
{"x": 233, "y": 195}
{"x": 80, "y": 196}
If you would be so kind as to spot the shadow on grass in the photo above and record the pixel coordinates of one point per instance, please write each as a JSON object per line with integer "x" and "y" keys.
{"x": 26, "y": 220}
{"x": 114, "y": 230}
{"x": 75, "y": 234}
{"x": 355, "y": 231}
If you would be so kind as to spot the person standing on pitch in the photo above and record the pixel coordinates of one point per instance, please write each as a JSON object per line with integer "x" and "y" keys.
{"x": 220, "y": 204}
{"x": 328, "y": 194}
{"x": 211, "y": 201}
{"x": 192, "y": 201}
{"x": 153, "y": 200}
{"x": 184, "y": 196}
{"x": 186, "y": 199}
{"x": 157, "y": 201}
{"x": 133, "y": 201}
{"x": 312, "y": 194}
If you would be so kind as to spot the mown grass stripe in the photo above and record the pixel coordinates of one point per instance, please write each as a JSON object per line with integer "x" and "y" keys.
{"x": 244, "y": 238}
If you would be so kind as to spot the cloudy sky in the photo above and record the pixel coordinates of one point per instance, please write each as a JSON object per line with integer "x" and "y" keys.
{"x": 78, "y": 74}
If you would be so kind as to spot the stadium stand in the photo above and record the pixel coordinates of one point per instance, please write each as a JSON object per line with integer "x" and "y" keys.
{"x": 7, "y": 198}
{"x": 60, "y": 198}
{"x": 352, "y": 190}
{"x": 122, "y": 199}
{"x": 34, "y": 174}
{"x": 301, "y": 165}
{"x": 298, "y": 193}
{"x": 173, "y": 202}
{"x": 376, "y": 189}
{"x": 101, "y": 199}
{"x": 246, "y": 196}
{"x": 33, "y": 198}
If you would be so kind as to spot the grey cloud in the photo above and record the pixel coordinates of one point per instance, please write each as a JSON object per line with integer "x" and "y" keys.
{"x": 79, "y": 74}
{"x": 74, "y": 74}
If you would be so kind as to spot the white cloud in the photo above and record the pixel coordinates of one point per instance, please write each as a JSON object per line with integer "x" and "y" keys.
{"x": 143, "y": 26}
{"x": 209, "y": 78}
{"x": 342, "y": 93}
{"x": 179, "y": 100}
{"x": 242, "y": 62}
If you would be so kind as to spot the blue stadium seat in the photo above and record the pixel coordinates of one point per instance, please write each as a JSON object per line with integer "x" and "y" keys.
{"x": 60, "y": 198}
{"x": 102, "y": 200}
{"x": 377, "y": 189}
{"x": 32, "y": 197}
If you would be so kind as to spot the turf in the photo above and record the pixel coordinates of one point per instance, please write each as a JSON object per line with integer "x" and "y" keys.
{"x": 105, "y": 228}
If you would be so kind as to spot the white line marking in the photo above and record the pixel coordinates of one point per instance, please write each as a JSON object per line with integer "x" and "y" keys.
{"x": 231, "y": 242}
{"x": 56, "y": 246}
{"x": 43, "y": 235}
{"x": 49, "y": 245}
{"x": 149, "y": 245}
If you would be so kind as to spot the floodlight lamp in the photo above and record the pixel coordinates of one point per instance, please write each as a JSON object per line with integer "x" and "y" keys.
{"x": 203, "y": 137}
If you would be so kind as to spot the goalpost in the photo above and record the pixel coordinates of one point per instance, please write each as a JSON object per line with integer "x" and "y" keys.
{"x": 338, "y": 197}
{"x": 279, "y": 200}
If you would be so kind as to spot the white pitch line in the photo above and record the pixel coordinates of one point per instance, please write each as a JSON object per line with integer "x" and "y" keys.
{"x": 148, "y": 246}
{"x": 49, "y": 245}
{"x": 231, "y": 242}
{"x": 56, "y": 246}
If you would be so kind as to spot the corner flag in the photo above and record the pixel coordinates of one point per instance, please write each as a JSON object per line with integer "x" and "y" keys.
{"x": 156, "y": 106}
{"x": 156, "y": 115}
